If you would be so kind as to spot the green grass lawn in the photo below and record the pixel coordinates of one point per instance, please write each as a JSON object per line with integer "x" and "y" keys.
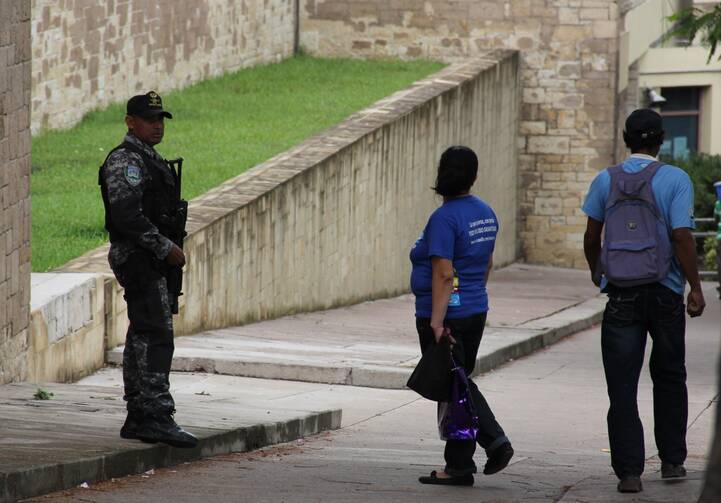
{"x": 221, "y": 127}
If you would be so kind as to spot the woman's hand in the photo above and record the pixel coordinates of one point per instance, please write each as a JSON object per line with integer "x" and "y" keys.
{"x": 441, "y": 332}
{"x": 438, "y": 332}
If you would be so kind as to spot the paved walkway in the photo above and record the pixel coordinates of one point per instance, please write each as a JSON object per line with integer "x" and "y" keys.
{"x": 551, "y": 404}
{"x": 46, "y": 445}
{"x": 375, "y": 344}
{"x": 73, "y": 438}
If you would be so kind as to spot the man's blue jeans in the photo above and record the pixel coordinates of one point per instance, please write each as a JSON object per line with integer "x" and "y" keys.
{"x": 630, "y": 314}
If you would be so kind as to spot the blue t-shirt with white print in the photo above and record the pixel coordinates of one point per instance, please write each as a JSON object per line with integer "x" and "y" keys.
{"x": 463, "y": 230}
{"x": 673, "y": 191}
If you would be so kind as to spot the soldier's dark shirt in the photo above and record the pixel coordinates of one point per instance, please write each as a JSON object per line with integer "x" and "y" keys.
{"x": 126, "y": 178}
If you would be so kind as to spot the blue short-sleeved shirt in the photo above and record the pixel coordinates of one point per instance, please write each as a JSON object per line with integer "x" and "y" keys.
{"x": 673, "y": 191}
{"x": 463, "y": 230}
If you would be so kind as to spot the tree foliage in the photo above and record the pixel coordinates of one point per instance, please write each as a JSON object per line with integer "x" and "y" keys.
{"x": 704, "y": 170}
{"x": 693, "y": 22}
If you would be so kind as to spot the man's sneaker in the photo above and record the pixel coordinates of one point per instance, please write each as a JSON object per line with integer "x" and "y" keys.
{"x": 129, "y": 429}
{"x": 167, "y": 431}
{"x": 630, "y": 485}
{"x": 669, "y": 471}
{"x": 498, "y": 458}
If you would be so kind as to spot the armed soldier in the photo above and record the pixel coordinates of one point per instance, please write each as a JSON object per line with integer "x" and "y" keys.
{"x": 145, "y": 218}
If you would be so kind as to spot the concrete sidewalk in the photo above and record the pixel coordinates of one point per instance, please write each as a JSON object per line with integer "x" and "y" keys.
{"x": 552, "y": 405}
{"x": 48, "y": 445}
{"x": 375, "y": 344}
{"x": 54, "y": 444}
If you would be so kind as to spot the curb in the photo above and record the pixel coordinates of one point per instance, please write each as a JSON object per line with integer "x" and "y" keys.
{"x": 545, "y": 332}
{"x": 39, "y": 480}
{"x": 527, "y": 338}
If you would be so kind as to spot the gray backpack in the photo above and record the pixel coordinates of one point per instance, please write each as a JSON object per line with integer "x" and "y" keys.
{"x": 636, "y": 245}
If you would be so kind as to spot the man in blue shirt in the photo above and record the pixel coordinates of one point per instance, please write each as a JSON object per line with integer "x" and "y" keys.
{"x": 655, "y": 308}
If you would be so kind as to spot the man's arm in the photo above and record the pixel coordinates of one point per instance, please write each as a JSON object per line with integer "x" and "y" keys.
{"x": 489, "y": 268}
{"x": 124, "y": 182}
{"x": 684, "y": 247}
{"x": 592, "y": 248}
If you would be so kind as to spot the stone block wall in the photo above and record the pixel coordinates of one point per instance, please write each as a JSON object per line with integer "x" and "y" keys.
{"x": 629, "y": 100}
{"x": 331, "y": 221}
{"x": 568, "y": 75}
{"x": 14, "y": 187}
{"x": 89, "y": 53}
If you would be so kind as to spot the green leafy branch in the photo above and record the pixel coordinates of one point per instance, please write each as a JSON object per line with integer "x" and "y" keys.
{"x": 692, "y": 22}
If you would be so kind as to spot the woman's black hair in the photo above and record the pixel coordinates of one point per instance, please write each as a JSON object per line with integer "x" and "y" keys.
{"x": 457, "y": 171}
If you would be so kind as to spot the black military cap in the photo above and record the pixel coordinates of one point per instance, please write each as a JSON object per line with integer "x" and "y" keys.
{"x": 147, "y": 105}
{"x": 644, "y": 123}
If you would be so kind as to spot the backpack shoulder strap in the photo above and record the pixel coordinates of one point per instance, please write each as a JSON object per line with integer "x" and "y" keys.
{"x": 614, "y": 170}
{"x": 651, "y": 169}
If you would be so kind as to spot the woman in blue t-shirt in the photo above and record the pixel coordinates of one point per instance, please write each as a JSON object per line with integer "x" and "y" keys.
{"x": 451, "y": 263}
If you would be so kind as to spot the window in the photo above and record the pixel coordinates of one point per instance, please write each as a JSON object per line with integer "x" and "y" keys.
{"x": 680, "y": 115}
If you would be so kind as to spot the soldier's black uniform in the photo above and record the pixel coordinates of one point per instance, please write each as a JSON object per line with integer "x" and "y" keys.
{"x": 141, "y": 197}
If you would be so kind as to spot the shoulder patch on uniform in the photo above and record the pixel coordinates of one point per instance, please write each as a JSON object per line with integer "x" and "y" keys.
{"x": 132, "y": 175}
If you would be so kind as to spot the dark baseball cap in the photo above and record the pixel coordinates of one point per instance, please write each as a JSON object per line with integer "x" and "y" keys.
{"x": 147, "y": 105}
{"x": 644, "y": 123}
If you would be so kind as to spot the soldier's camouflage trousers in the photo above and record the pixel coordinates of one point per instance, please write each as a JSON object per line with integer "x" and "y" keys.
{"x": 149, "y": 350}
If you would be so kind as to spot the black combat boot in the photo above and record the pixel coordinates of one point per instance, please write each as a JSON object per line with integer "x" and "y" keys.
{"x": 132, "y": 423}
{"x": 164, "y": 429}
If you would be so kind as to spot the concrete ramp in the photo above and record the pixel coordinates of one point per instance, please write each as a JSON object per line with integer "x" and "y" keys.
{"x": 375, "y": 344}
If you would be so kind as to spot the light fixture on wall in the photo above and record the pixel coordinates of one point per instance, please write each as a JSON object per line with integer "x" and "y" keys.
{"x": 654, "y": 98}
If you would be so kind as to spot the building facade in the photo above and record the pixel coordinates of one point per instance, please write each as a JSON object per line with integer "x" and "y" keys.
{"x": 688, "y": 86}
{"x": 580, "y": 76}
{"x": 585, "y": 65}
{"x": 14, "y": 187}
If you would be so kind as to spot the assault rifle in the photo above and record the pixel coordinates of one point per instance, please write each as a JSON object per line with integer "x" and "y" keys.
{"x": 176, "y": 233}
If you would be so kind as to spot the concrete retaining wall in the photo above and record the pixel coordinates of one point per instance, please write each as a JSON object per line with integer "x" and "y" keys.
{"x": 89, "y": 53}
{"x": 67, "y": 335}
{"x": 331, "y": 221}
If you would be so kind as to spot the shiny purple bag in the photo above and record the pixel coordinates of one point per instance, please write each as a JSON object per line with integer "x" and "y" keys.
{"x": 457, "y": 419}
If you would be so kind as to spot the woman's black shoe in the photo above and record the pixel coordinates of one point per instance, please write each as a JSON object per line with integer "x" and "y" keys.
{"x": 463, "y": 480}
{"x": 498, "y": 458}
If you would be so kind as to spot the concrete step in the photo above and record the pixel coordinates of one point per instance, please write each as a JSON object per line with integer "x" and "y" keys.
{"x": 354, "y": 359}
{"x": 55, "y": 444}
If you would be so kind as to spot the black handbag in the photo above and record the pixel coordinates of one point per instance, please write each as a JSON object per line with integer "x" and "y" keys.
{"x": 433, "y": 377}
